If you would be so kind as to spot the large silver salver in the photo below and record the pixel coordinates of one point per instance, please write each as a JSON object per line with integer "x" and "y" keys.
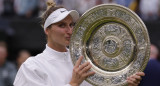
{"x": 114, "y": 40}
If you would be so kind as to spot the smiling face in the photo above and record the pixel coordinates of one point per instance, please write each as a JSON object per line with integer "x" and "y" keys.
{"x": 59, "y": 34}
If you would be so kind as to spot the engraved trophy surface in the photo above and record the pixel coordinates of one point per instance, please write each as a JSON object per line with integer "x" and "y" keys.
{"x": 114, "y": 40}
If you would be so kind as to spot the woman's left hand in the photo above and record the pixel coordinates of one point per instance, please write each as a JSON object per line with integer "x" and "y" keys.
{"x": 135, "y": 79}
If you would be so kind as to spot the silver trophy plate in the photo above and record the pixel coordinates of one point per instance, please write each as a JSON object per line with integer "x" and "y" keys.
{"x": 114, "y": 40}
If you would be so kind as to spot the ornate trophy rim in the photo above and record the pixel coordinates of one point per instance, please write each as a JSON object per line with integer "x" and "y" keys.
{"x": 116, "y": 56}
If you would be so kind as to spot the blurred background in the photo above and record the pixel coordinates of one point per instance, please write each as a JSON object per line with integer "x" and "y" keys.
{"x": 21, "y": 31}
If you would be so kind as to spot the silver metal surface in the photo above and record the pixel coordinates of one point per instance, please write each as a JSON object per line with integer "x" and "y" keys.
{"x": 114, "y": 40}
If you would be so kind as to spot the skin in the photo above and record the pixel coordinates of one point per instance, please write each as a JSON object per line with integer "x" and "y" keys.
{"x": 59, "y": 35}
{"x": 154, "y": 52}
{"x": 3, "y": 55}
{"x": 135, "y": 79}
{"x": 23, "y": 56}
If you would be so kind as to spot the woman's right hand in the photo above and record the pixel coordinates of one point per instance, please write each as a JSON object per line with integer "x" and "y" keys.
{"x": 80, "y": 72}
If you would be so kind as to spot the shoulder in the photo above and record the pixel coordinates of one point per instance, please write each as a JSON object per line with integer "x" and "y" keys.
{"x": 31, "y": 72}
{"x": 32, "y": 66}
{"x": 33, "y": 61}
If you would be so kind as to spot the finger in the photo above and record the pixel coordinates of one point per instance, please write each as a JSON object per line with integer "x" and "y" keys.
{"x": 138, "y": 78}
{"x": 85, "y": 69}
{"x": 84, "y": 65}
{"x": 140, "y": 73}
{"x": 88, "y": 74}
{"x": 135, "y": 79}
{"x": 132, "y": 81}
{"x": 79, "y": 61}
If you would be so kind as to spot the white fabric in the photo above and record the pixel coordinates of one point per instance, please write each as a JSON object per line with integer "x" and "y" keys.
{"x": 59, "y": 15}
{"x": 50, "y": 68}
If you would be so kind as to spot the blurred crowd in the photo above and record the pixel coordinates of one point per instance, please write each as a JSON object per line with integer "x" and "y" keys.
{"x": 148, "y": 10}
{"x": 21, "y": 8}
{"x": 8, "y": 69}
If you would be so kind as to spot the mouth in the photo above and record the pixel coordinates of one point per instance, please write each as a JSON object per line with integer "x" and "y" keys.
{"x": 68, "y": 38}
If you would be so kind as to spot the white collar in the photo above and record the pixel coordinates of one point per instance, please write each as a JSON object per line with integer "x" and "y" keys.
{"x": 52, "y": 54}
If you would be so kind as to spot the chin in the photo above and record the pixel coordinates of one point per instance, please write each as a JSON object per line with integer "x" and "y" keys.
{"x": 67, "y": 43}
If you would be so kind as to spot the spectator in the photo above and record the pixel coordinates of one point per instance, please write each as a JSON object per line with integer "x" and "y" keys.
{"x": 134, "y": 5}
{"x": 26, "y": 8}
{"x": 42, "y": 6}
{"x": 149, "y": 9}
{"x": 108, "y": 1}
{"x": 125, "y": 3}
{"x": 1, "y": 7}
{"x": 59, "y": 2}
{"x": 6, "y": 28}
{"x": 7, "y": 69}
{"x": 154, "y": 52}
{"x": 69, "y": 4}
{"x": 83, "y": 5}
{"x": 152, "y": 71}
{"x": 8, "y": 10}
{"x": 23, "y": 55}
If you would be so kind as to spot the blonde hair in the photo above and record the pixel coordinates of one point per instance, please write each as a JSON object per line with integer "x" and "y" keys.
{"x": 51, "y": 6}
{"x": 50, "y": 3}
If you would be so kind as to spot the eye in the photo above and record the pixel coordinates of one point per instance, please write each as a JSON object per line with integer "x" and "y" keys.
{"x": 72, "y": 25}
{"x": 62, "y": 25}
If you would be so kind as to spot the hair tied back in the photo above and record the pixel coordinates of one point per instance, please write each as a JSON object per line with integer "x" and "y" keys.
{"x": 50, "y": 3}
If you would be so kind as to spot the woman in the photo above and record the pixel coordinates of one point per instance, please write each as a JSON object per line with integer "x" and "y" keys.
{"x": 53, "y": 67}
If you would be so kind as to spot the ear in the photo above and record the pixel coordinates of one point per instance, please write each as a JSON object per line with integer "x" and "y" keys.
{"x": 46, "y": 31}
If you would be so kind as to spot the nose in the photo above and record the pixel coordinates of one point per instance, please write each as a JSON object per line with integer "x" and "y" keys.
{"x": 69, "y": 30}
